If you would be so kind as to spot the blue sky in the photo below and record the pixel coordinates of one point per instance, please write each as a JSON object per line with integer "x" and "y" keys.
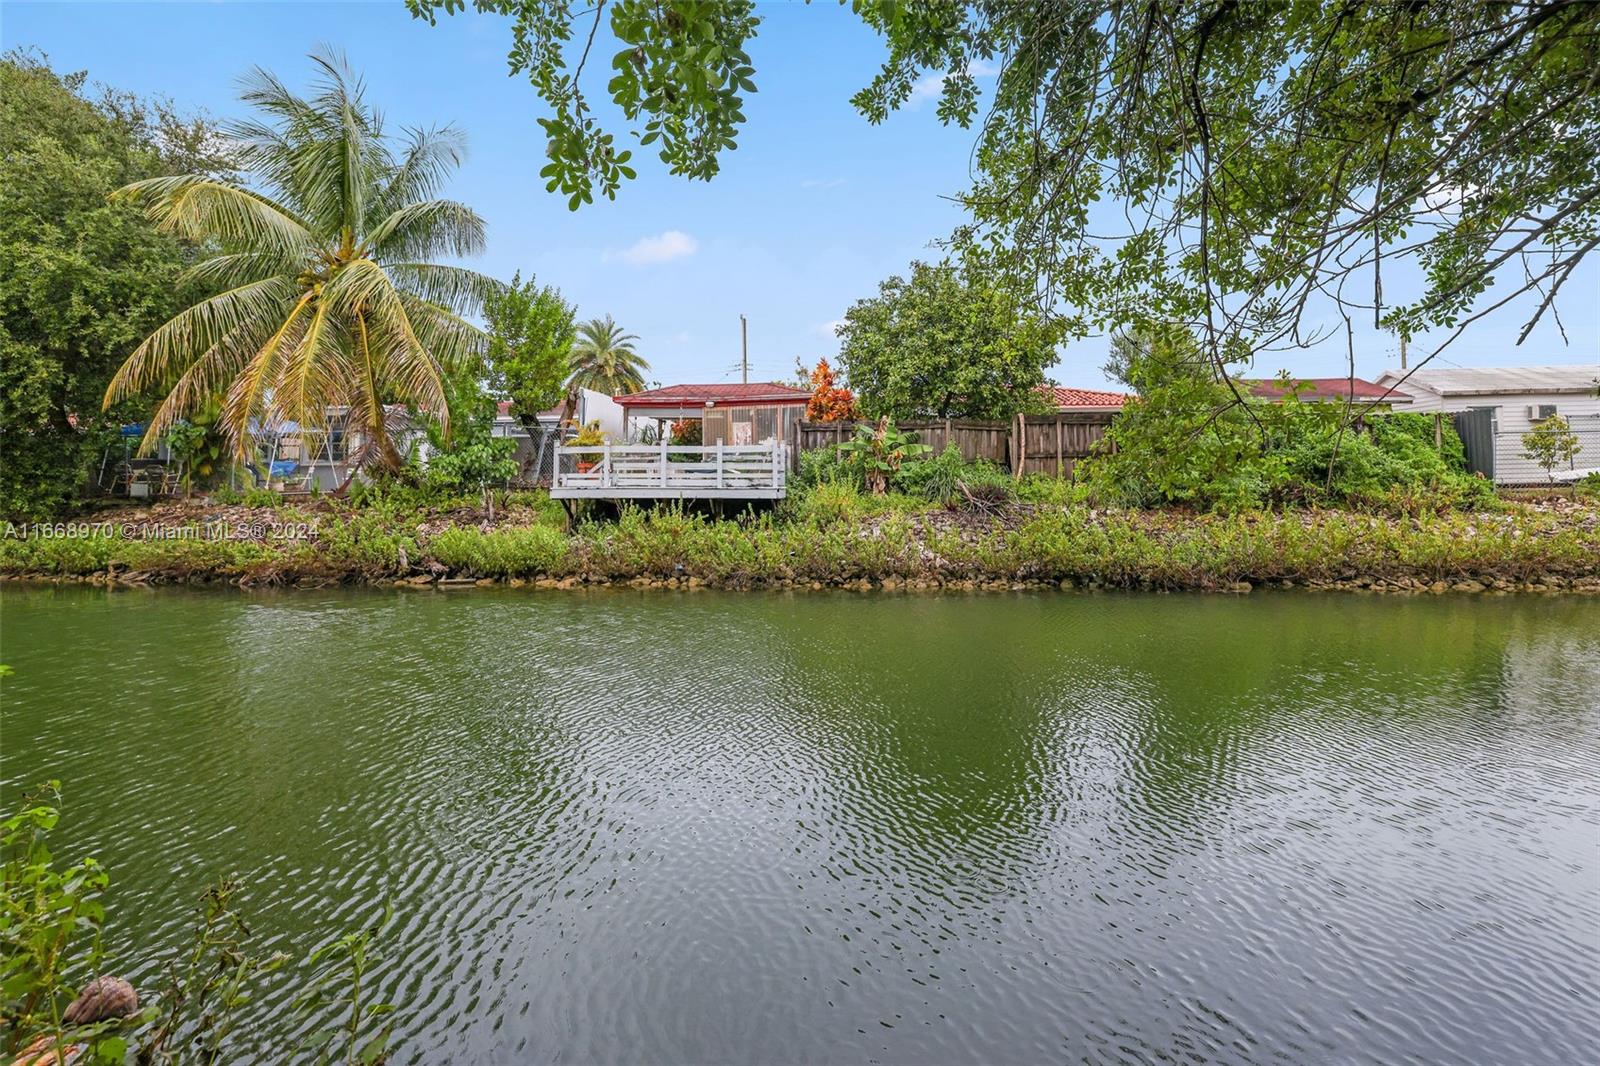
{"x": 809, "y": 214}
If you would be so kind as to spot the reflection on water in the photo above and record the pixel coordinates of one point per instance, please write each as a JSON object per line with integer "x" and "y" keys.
{"x": 630, "y": 827}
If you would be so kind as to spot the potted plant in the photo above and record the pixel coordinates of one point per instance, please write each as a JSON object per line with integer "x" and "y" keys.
{"x": 589, "y": 436}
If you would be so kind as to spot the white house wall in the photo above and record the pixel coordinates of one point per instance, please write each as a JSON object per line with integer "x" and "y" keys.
{"x": 1511, "y": 421}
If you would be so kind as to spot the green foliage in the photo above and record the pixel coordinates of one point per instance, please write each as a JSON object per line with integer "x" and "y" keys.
{"x": 200, "y": 445}
{"x": 531, "y": 333}
{"x": 50, "y": 925}
{"x": 1212, "y": 124}
{"x": 342, "y": 966}
{"x": 208, "y": 987}
{"x": 261, "y": 498}
{"x": 50, "y": 934}
{"x": 473, "y": 459}
{"x": 328, "y": 296}
{"x": 365, "y": 544}
{"x": 945, "y": 343}
{"x": 681, "y": 68}
{"x": 81, "y": 279}
{"x": 936, "y": 478}
{"x": 1187, "y": 439}
{"x": 821, "y": 466}
{"x": 1340, "y": 130}
{"x": 879, "y": 452}
{"x": 1550, "y": 443}
{"x": 524, "y": 552}
{"x": 603, "y": 359}
{"x": 590, "y": 436}
{"x": 984, "y": 486}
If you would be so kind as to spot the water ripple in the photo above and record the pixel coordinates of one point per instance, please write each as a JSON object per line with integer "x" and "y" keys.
{"x": 628, "y": 827}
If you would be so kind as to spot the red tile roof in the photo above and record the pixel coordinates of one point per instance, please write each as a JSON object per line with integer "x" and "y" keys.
{"x": 1323, "y": 389}
{"x": 764, "y": 392}
{"x": 1064, "y": 397}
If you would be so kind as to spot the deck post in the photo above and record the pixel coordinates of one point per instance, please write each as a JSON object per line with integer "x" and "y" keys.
{"x": 605, "y": 470}
{"x": 719, "y": 462}
{"x": 663, "y": 462}
{"x": 775, "y": 450}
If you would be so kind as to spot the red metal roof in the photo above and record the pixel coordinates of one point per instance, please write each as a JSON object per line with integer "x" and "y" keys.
{"x": 1323, "y": 389}
{"x": 1062, "y": 396}
{"x": 764, "y": 392}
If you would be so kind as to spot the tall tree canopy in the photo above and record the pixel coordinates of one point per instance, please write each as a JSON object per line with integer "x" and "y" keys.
{"x": 531, "y": 334}
{"x": 1263, "y": 158}
{"x": 945, "y": 344}
{"x": 327, "y": 294}
{"x": 81, "y": 279}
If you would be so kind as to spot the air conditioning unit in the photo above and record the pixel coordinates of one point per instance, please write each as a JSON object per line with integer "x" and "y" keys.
{"x": 1537, "y": 412}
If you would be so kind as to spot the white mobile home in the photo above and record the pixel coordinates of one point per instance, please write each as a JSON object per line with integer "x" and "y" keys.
{"x": 1492, "y": 408}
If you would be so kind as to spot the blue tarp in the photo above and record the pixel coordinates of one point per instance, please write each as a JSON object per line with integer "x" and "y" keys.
{"x": 283, "y": 467}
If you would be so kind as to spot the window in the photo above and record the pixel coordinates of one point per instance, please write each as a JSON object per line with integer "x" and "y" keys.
{"x": 1546, "y": 410}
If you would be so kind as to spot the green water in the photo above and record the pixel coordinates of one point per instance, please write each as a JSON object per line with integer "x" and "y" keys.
{"x": 633, "y": 827}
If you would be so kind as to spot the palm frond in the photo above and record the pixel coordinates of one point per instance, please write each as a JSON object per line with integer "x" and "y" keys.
{"x": 455, "y": 343}
{"x": 232, "y": 269}
{"x": 456, "y": 288}
{"x": 428, "y": 228}
{"x": 246, "y": 395}
{"x": 429, "y": 157}
{"x": 186, "y": 336}
{"x": 202, "y": 209}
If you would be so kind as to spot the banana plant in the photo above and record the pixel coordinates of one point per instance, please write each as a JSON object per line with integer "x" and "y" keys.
{"x": 880, "y": 450}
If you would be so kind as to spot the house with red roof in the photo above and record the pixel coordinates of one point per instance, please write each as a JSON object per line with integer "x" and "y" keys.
{"x": 736, "y": 413}
{"x": 1070, "y": 399}
{"x": 1329, "y": 390}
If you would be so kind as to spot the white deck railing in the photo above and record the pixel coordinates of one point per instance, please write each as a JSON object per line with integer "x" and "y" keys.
{"x": 671, "y": 471}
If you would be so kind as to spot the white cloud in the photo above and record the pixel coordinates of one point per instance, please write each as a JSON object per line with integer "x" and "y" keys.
{"x": 931, "y": 86}
{"x": 673, "y": 244}
{"x": 828, "y": 329}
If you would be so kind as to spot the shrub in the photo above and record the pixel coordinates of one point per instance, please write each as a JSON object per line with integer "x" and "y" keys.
{"x": 1186, "y": 440}
{"x": 364, "y": 544}
{"x": 827, "y": 503}
{"x": 933, "y": 478}
{"x": 521, "y": 552}
{"x": 826, "y": 465}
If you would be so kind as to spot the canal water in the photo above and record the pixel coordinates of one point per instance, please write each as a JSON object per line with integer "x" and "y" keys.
{"x": 700, "y": 827}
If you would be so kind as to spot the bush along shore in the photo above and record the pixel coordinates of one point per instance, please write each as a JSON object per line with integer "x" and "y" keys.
{"x": 825, "y": 536}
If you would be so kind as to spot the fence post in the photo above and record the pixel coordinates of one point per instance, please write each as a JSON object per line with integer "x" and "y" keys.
{"x": 1058, "y": 446}
{"x": 663, "y": 462}
{"x": 719, "y": 462}
{"x": 605, "y": 469}
{"x": 1020, "y": 453}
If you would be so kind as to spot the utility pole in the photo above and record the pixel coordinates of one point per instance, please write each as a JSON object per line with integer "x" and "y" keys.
{"x": 744, "y": 341}
{"x": 1402, "y": 351}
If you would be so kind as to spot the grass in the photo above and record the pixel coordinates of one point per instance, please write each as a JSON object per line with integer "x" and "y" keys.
{"x": 832, "y": 534}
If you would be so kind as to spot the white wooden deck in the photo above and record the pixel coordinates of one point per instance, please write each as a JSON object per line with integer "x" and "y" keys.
{"x": 661, "y": 472}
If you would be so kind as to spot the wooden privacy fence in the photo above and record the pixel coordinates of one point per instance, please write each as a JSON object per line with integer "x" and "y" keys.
{"x": 1028, "y": 444}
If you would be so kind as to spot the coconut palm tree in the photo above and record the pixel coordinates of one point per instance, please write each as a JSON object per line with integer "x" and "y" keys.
{"x": 327, "y": 297}
{"x": 603, "y": 359}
